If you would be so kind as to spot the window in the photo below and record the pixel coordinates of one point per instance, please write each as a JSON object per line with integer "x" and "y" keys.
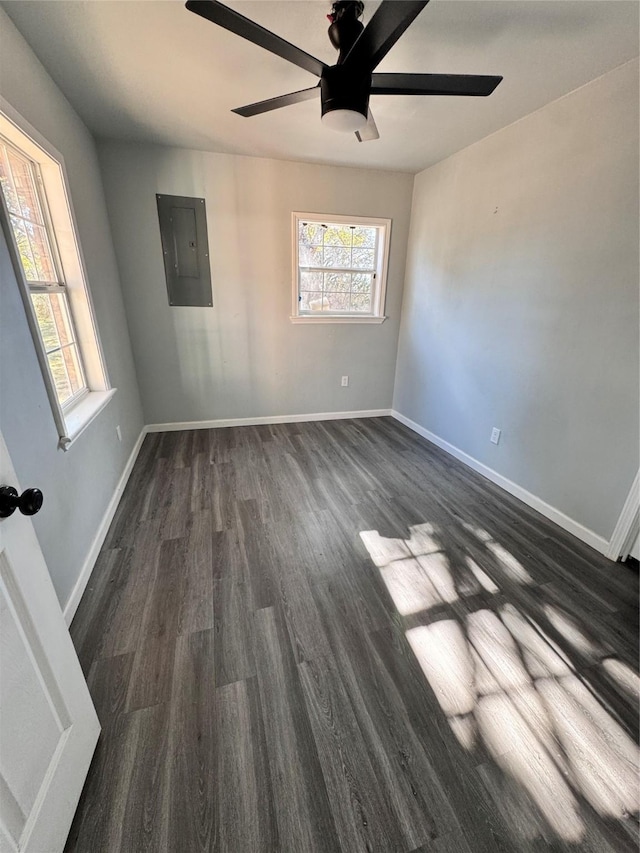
{"x": 35, "y": 240}
{"x": 38, "y": 225}
{"x": 340, "y": 268}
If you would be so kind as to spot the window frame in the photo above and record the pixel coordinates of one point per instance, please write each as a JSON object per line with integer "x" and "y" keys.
{"x": 78, "y": 412}
{"x": 49, "y": 287}
{"x": 377, "y": 315}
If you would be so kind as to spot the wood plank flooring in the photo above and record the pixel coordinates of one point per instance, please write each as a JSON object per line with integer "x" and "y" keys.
{"x": 324, "y": 637}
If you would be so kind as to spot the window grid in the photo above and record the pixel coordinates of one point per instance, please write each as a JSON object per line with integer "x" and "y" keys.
{"x": 20, "y": 180}
{"x": 342, "y": 262}
{"x": 356, "y": 301}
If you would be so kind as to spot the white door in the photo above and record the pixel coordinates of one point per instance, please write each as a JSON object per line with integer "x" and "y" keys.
{"x": 48, "y": 725}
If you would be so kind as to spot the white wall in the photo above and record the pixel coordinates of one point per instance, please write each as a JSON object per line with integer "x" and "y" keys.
{"x": 78, "y": 484}
{"x": 521, "y": 301}
{"x": 243, "y": 357}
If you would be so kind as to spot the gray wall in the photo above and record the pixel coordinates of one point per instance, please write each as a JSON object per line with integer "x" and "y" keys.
{"x": 521, "y": 301}
{"x": 243, "y": 357}
{"x": 78, "y": 484}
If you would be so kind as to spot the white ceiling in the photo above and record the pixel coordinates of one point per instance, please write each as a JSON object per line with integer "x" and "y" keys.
{"x": 152, "y": 71}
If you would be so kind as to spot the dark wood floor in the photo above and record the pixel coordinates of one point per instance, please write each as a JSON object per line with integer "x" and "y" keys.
{"x": 335, "y": 637}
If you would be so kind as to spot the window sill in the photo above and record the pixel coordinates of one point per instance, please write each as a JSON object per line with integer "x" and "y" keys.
{"x": 80, "y": 416}
{"x": 311, "y": 318}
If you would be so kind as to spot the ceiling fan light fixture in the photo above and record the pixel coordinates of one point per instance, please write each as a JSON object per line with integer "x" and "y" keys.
{"x": 344, "y": 121}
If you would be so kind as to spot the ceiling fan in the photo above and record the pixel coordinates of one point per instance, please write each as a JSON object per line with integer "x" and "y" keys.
{"x": 345, "y": 87}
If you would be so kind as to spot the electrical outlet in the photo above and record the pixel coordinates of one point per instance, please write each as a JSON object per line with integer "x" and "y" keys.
{"x": 495, "y": 435}
{"x": 345, "y": 381}
{"x": 119, "y": 432}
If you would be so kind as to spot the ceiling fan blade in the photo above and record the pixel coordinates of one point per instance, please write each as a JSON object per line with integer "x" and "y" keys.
{"x": 369, "y": 131}
{"x": 247, "y": 29}
{"x": 276, "y": 103}
{"x": 390, "y": 20}
{"x": 473, "y": 85}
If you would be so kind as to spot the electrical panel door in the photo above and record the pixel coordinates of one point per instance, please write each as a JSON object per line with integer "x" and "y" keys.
{"x": 185, "y": 247}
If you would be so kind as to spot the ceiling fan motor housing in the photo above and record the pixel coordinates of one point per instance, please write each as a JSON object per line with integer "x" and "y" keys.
{"x": 345, "y": 27}
{"x": 343, "y": 88}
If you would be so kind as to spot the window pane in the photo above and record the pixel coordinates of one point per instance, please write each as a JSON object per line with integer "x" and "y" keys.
{"x": 54, "y": 321}
{"x": 365, "y": 237}
{"x": 60, "y": 310}
{"x": 310, "y": 256}
{"x": 53, "y": 318}
{"x": 46, "y": 321}
{"x": 20, "y": 190}
{"x": 313, "y": 302}
{"x": 24, "y": 248}
{"x": 60, "y": 378}
{"x": 310, "y": 234}
{"x": 74, "y": 370}
{"x": 360, "y": 302}
{"x": 334, "y": 257}
{"x": 362, "y": 283}
{"x": 310, "y": 280}
{"x": 6, "y": 181}
{"x": 338, "y": 301}
{"x": 41, "y": 252}
{"x": 363, "y": 259}
{"x": 337, "y": 282}
{"x": 337, "y": 235}
{"x": 25, "y": 188}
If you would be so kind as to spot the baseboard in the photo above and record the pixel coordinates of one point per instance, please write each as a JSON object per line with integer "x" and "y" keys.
{"x": 583, "y": 533}
{"x": 269, "y": 419}
{"x": 627, "y": 525}
{"x": 76, "y": 593}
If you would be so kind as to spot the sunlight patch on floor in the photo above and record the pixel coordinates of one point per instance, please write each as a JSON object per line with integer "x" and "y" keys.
{"x": 542, "y": 657}
{"x": 413, "y": 570}
{"x": 570, "y": 631}
{"x": 482, "y": 577}
{"x": 436, "y": 568}
{"x": 497, "y": 649}
{"x": 508, "y": 689}
{"x": 464, "y": 728}
{"x": 623, "y": 675}
{"x": 422, "y": 540}
{"x": 602, "y": 757}
{"x": 518, "y": 751}
{"x": 443, "y": 653}
{"x": 384, "y": 551}
{"x": 513, "y": 569}
{"x": 409, "y": 586}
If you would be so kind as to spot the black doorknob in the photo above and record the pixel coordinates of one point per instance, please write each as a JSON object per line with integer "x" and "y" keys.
{"x": 29, "y": 502}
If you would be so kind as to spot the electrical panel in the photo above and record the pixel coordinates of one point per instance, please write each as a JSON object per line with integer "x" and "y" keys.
{"x": 185, "y": 247}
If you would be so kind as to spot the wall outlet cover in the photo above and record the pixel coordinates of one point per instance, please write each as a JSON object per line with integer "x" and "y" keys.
{"x": 495, "y": 435}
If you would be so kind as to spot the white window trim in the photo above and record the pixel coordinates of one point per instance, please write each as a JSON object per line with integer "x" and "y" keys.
{"x": 70, "y": 420}
{"x": 377, "y": 316}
